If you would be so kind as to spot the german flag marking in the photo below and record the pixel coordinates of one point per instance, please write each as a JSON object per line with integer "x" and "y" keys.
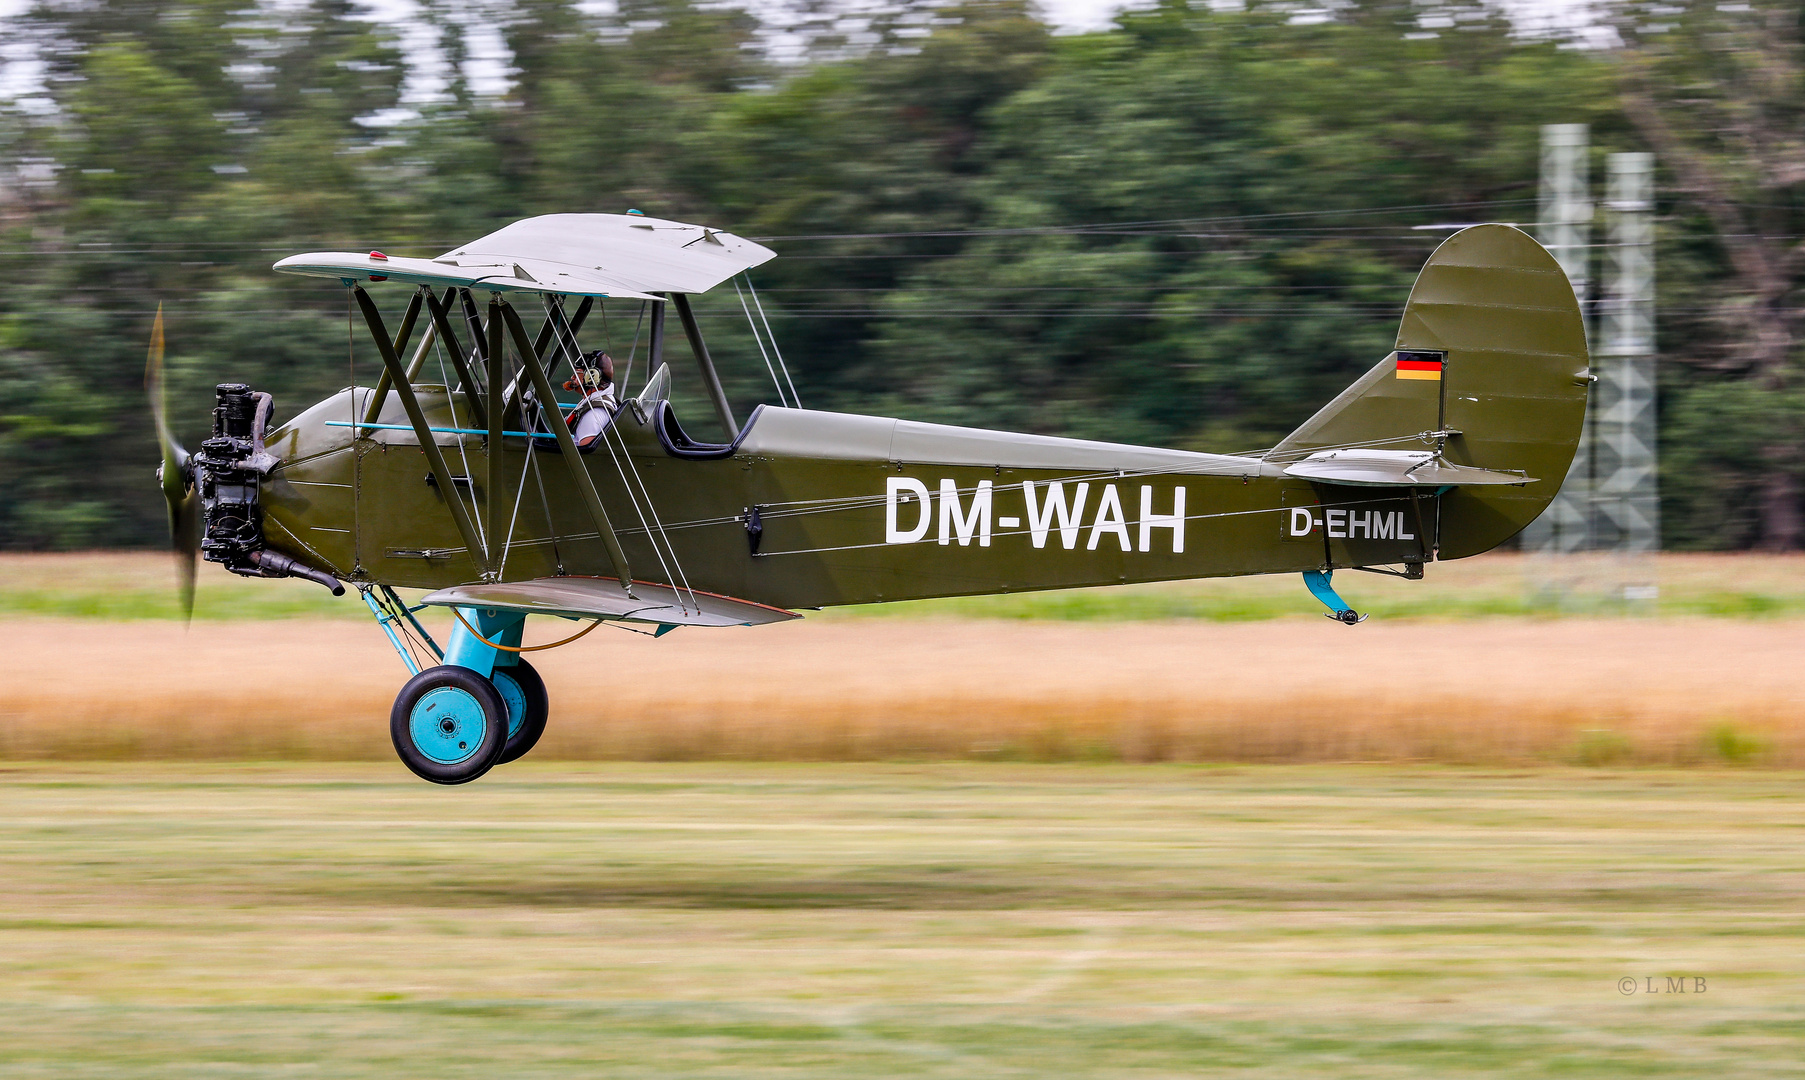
{"x": 1416, "y": 365}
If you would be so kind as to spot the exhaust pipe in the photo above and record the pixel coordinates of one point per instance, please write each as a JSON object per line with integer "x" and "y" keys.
{"x": 276, "y": 564}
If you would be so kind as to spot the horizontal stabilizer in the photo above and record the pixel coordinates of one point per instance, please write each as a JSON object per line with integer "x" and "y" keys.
{"x": 603, "y": 598}
{"x": 1394, "y": 468}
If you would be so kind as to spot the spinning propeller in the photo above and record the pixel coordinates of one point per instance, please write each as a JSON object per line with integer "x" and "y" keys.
{"x": 176, "y": 474}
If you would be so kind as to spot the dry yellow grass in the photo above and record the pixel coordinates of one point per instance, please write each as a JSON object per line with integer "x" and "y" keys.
{"x": 1483, "y": 690}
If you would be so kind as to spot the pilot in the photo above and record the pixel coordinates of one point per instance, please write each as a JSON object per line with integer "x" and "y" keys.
{"x": 594, "y": 379}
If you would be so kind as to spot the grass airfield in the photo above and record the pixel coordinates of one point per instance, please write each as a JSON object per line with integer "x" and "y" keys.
{"x": 958, "y": 920}
{"x": 1560, "y": 793}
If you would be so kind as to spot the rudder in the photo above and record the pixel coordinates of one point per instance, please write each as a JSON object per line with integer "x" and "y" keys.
{"x": 1498, "y": 313}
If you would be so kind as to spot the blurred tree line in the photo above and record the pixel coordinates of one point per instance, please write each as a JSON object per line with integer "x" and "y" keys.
{"x": 1193, "y": 228}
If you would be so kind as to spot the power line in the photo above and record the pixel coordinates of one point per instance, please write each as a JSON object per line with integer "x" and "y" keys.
{"x": 1093, "y": 227}
{"x": 1100, "y": 228}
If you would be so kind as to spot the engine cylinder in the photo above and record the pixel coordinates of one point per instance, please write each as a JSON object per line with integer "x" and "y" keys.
{"x": 229, "y": 482}
{"x": 234, "y": 411}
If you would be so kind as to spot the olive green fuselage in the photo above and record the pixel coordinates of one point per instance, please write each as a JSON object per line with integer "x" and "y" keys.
{"x": 843, "y": 521}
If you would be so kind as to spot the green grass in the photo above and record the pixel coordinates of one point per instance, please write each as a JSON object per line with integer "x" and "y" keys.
{"x": 1243, "y": 602}
{"x": 1715, "y": 586}
{"x": 225, "y": 604}
{"x": 1252, "y": 604}
{"x": 141, "y": 585}
{"x": 909, "y": 921}
{"x": 134, "y": 585}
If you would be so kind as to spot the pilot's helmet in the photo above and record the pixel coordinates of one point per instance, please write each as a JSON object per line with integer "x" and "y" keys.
{"x": 595, "y": 372}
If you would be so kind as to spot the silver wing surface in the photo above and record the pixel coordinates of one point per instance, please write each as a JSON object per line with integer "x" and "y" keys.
{"x": 602, "y": 255}
{"x": 603, "y": 598}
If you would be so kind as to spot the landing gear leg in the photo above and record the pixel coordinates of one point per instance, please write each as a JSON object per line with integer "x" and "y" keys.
{"x": 519, "y": 685}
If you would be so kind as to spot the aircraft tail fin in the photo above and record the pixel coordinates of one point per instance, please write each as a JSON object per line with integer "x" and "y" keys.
{"x": 1491, "y": 354}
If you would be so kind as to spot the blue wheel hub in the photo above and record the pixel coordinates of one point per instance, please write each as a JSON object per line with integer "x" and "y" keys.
{"x": 447, "y": 725}
{"x": 511, "y": 695}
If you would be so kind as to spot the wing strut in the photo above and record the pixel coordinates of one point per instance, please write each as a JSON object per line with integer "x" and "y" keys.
{"x": 495, "y": 501}
{"x": 655, "y": 347}
{"x": 542, "y": 342}
{"x": 573, "y": 459}
{"x": 713, "y": 381}
{"x": 378, "y": 399}
{"x": 440, "y": 313}
{"x": 435, "y": 459}
{"x": 510, "y": 399}
{"x": 474, "y": 322}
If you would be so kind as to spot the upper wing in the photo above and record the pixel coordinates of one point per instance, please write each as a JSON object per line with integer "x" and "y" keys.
{"x": 603, "y": 255}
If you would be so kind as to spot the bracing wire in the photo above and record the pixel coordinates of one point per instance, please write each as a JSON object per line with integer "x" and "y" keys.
{"x": 507, "y": 542}
{"x": 682, "y": 575}
{"x": 632, "y": 498}
{"x": 398, "y": 619}
{"x": 551, "y": 527}
{"x": 1131, "y": 523}
{"x": 662, "y": 536}
{"x": 781, "y": 366}
{"x": 633, "y": 350}
{"x": 630, "y": 630}
{"x": 759, "y": 338}
{"x": 520, "y": 490}
{"x": 532, "y": 464}
{"x": 1249, "y": 465}
{"x": 650, "y": 507}
{"x": 451, "y": 402}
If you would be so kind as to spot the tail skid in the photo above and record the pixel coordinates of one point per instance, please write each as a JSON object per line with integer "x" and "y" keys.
{"x": 1340, "y": 610}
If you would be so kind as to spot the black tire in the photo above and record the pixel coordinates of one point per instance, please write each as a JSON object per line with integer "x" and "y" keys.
{"x": 449, "y": 725}
{"x": 524, "y": 735}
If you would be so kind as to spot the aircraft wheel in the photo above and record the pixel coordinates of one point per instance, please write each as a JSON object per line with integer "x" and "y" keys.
{"x": 449, "y": 725}
{"x": 524, "y": 691}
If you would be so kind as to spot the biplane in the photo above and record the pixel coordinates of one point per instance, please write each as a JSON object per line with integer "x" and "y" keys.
{"x": 458, "y": 473}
